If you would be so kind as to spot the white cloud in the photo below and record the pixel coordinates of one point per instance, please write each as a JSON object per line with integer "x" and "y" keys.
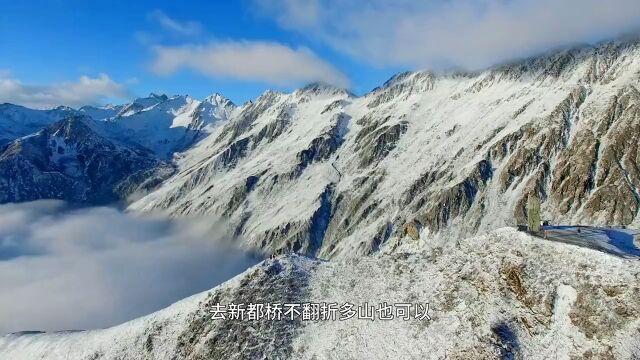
{"x": 95, "y": 267}
{"x": 249, "y": 61}
{"x": 186, "y": 28}
{"x": 465, "y": 33}
{"x": 85, "y": 91}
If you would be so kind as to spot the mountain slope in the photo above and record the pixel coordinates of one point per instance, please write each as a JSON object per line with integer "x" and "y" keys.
{"x": 99, "y": 154}
{"x": 17, "y": 121}
{"x": 513, "y": 297}
{"x": 158, "y": 122}
{"x": 168, "y": 125}
{"x": 326, "y": 173}
{"x": 73, "y": 160}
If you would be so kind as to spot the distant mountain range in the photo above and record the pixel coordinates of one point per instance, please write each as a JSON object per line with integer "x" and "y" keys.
{"x": 99, "y": 154}
{"x": 326, "y": 173}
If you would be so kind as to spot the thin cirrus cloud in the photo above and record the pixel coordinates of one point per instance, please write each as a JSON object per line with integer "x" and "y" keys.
{"x": 460, "y": 33}
{"x": 268, "y": 62}
{"x": 85, "y": 91}
{"x": 184, "y": 28}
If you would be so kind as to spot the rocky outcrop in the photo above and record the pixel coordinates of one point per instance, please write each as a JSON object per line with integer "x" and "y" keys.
{"x": 322, "y": 147}
{"x": 353, "y": 210}
{"x": 375, "y": 142}
{"x": 272, "y": 130}
{"x": 230, "y": 156}
{"x": 442, "y": 206}
{"x": 306, "y": 236}
{"x": 615, "y": 171}
{"x": 402, "y": 86}
{"x": 246, "y": 117}
{"x": 240, "y": 193}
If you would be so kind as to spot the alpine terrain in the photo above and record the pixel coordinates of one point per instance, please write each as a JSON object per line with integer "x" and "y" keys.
{"x": 325, "y": 173}
{"x": 407, "y": 194}
{"x": 503, "y": 295}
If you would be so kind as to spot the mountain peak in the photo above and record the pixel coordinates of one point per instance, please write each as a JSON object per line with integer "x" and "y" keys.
{"x": 162, "y": 97}
{"x": 409, "y": 76}
{"x": 318, "y": 87}
{"x": 219, "y": 100}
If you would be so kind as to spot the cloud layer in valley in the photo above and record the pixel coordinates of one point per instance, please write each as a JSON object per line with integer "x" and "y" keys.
{"x": 86, "y": 268}
{"x": 85, "y": 91}
{"x": 461, "y": 33}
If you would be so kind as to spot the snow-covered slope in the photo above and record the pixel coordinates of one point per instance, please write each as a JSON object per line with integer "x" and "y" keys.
{"x": 17, "y": 121}
{"x": 502, "y": 295}
{"x": 327, "y": 173}
{"x": 75, "y": 160}
{"x": 168, "y": 125}
{"x": 98, "y": 154}
{"x": 101, "y": 112}
{"x": 163, "y": 124}
{"x": 160, "y": 123}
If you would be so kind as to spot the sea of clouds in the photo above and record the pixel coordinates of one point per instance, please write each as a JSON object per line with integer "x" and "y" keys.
{"x": 65, "y": 268}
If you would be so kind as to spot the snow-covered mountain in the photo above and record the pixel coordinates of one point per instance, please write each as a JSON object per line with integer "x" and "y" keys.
{"x": 17, "y": 121}
{"x": 168, "y": 125}
{"x": 99, "y": 154}
{"x": 101, "y": 112}
{"x": 160, "y": 123}
{"x": 408, "y": 173}
{"x": 503, "y": 295}
{"x": 327, "y": 173}
{"x": 74, "y": 159}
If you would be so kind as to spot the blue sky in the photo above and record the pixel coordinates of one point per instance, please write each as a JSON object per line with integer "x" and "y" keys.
{"x": 81, "y": 51}
{"x": 67, "y": 39}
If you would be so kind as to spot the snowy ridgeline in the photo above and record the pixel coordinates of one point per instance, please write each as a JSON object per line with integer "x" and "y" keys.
{"x": 329, "y": 174}
{"x": 99, "y": 155}
{"x": 401, "y": 173}
{"x": 502, "y": 295}
{"x": 160, "y": 123}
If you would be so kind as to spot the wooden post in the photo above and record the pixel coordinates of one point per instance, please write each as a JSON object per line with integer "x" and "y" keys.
{"x": 533, "y": 214}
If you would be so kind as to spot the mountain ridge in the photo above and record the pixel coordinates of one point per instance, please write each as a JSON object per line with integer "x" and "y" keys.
{"x": 438, "y": 153}
{"x": 427, "y": 175}
{"x": 68, "y": 160}
{"x": 322, "y": 171}
{"x": 514, "y": 296}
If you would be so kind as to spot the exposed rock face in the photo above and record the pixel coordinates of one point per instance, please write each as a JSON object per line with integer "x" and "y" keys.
{"x": 324, "y": 146}
{"x": 71, "y": 160}
{"x": 412, "y": 229}
{"x": 273, "y": 282}
{"x": 459, "y": 153}
{"x": 374, "y": 142}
